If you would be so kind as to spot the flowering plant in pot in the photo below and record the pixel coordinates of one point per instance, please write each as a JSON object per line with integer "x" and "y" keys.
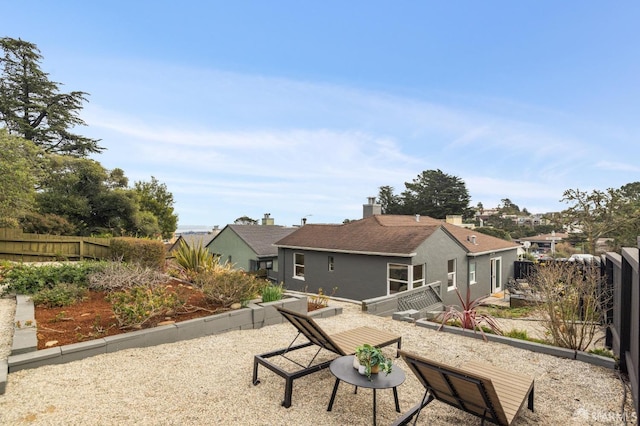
{"x": 371, "y": 360}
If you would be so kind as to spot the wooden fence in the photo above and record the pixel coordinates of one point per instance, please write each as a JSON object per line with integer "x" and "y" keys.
{"x": 20, "y": 247}
{"x": 623, "y": 334}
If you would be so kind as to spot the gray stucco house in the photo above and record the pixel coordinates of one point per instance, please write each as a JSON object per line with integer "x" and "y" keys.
{"x": 249, "y": 247}
{"x": 385, "y": 254}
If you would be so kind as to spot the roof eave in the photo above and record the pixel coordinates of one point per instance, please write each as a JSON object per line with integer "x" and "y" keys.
{"x": 482, "y": 253}
{"x": 329, "y": 250}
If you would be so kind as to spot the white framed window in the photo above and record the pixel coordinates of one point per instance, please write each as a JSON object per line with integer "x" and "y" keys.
{"x": 398, "y": 277}
{"x": 298, "y": 266}
{"x": 451, "y": 274}
{"x": 330, "y": 264}
{"x": 418, "y": 276}
{"x": 404, "y": 277}
{"x": 472, "y": 273}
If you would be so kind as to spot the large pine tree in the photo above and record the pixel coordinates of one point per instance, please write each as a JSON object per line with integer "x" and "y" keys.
{"x": 31, "y": 106}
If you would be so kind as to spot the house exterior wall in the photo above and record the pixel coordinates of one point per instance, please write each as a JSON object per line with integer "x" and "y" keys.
{"x": 435, "y": 252}
{"x": 356, "y": 276}
{"x": 439, "y": 248}
{"x": 228, "y": 244}
{"x": 361, "y": 277}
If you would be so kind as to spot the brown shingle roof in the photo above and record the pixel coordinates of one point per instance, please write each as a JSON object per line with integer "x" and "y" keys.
{"x": 387, "y": 234}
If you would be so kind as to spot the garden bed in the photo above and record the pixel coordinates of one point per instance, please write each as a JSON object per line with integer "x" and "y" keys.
{"x": 93, "y": 317}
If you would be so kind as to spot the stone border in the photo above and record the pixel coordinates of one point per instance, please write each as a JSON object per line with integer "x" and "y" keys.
{"x": 601, "y": 361}
{"x": 256, "y": 315}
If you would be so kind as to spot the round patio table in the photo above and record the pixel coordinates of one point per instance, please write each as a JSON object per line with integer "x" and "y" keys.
{"x": 342, "y": 369}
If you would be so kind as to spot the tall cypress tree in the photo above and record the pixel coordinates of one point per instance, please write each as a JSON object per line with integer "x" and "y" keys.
{"x": 31, "y": 106}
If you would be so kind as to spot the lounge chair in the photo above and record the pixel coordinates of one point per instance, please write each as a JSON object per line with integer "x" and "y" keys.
{"x": 341, "y": 344}
{"x": 480, "y": 389}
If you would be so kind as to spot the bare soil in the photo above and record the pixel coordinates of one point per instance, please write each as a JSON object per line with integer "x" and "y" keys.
{"x": 93, "y": 317}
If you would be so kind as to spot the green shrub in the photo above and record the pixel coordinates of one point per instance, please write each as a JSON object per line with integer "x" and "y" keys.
{"x": 514, "y": 333}
{"x": 118, "y": 276}
{"x": 271, "y": 293}
{"x": 147, "y": 253}
{"x": 134, "y": 307}
{"x": 227, "y": 286}
{"x": 508, "y": 312}
{"x": 5, "y": 267}
{"x": 63, "y": 294}
{"x": 30, "y": 279}
{"x": 602, "y": 352}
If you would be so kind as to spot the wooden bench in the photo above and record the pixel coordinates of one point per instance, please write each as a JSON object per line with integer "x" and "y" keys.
{"x": 483, "y": 390}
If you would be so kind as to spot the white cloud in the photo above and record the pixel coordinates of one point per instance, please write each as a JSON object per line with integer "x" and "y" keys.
{"x": 222, "y": 139}
{"x": 618, "y": 167}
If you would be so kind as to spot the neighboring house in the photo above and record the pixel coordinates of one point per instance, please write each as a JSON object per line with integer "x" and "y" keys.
{"x": 385, "y": 254}
{"x": 544, "y": 243}
{"x": 249, "y": 247}
{"x": 193, "y": 240}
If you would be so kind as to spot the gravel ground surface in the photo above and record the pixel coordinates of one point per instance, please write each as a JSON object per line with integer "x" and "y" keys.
{"x": 208, "y": 381}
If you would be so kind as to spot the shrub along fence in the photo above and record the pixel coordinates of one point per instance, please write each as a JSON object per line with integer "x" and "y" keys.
{"x": 623, "y": 335}
{"x": 20, "y": 247}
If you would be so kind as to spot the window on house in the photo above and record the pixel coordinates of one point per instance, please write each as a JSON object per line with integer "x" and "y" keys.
{"x": 472, "y": 273}
{"x": 298, "y": 265}
{"x": 451, "y": 274}
{"x": 266, "y": 264}
{"x": 330, "y": 262}
{"x": 398, "y": 277}
{"x": 418, "y": 275}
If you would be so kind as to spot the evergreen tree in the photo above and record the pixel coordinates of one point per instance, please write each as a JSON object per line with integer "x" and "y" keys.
{"x": 21, "y": 166}
{"x": 31, "y": 106}
{"x": 154, "y": 198}
{"x": 436, "y": 194}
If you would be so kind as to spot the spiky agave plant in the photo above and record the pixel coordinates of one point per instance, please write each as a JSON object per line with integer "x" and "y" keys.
{"x": 194, "y": 260}
{"x": 468, "y": 315}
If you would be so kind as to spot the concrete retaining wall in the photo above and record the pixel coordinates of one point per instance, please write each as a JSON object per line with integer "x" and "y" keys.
{"x": 256, "y": 315}
{"x": 525, "y": 344}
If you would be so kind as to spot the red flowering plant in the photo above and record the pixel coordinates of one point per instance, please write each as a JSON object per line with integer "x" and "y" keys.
{"x": 467, "y": 316}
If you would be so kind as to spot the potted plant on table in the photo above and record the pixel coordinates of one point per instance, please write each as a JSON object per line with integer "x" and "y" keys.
{"x": 371, "y": 360}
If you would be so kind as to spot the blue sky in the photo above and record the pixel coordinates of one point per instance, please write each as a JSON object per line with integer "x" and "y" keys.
{"x": 304, "y": 109}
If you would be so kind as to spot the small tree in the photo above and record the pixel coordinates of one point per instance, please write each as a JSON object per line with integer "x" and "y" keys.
{"x": 570, "y": 294}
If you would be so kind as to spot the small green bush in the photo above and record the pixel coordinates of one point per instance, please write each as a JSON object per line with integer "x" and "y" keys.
{"x": 272, "y": 293}
{"x": 227, "y": 286}
{"x": 134, "y": 307}
{"x": 63, "y": 294}
{"x": 508, "y": 312}
{"x": 30, "y": 279}
{"x": 602, "y": 352}
{"x": 523, "y": 335}
{"x": 514, "y": 333}
{"x": 119, "y": 276}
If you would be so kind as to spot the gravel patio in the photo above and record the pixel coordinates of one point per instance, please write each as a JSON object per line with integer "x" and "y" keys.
{"x": 208, "y": 381}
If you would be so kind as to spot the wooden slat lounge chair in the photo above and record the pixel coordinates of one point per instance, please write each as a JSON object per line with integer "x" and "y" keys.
{"x": 343, "y": 343}
{"x": 480, "y": 389}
